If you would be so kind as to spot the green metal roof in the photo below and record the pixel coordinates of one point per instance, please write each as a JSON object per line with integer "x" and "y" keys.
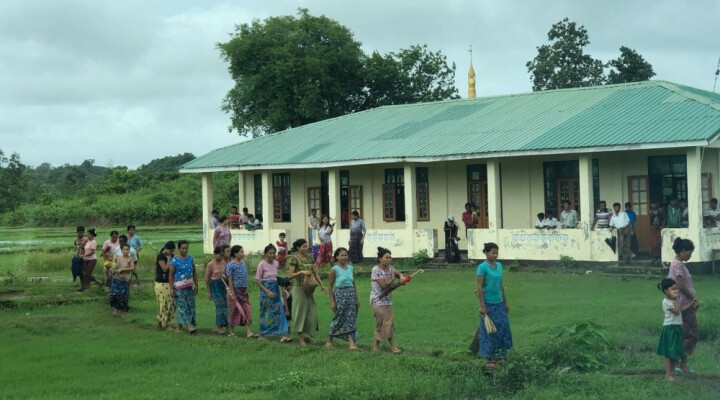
{"x": 650, "y": 114}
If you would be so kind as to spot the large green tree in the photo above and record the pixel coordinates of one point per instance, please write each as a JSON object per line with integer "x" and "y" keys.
{"x": 291, "y": 71}
{"x": 563, "y": 63}
{"x": 629, "y": 67}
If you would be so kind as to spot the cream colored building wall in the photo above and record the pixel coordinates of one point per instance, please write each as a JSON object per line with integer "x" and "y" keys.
{"x": 517, "y": 184}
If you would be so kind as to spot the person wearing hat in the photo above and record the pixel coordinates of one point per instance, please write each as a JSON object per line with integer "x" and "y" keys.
{"x": 452, "y": 252}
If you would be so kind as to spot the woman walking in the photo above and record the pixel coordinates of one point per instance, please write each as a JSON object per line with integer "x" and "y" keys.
{"x": 326, "y": 248}
{"x": 382, "y": 277}
{"x": 493, "y": 305}
{"x": 343, "y": 300}
{"x": 184, "y": 287}
{"x": 272, "y": 311}
{"x": 166, "y": 304}
{"x": 304, "y": 310}
{"x": 357, "y": 238}
{"x": 221, "y": 236}
{"x": 214, "y": 274}
{"x": 240, "y": 313}
{"x": 89, "y": 261}
{"x": 120, "y": 281}
{"x": 679, "y": 273}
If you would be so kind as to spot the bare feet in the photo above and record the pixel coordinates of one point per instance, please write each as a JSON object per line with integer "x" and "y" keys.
{"x": 670, "y": 378}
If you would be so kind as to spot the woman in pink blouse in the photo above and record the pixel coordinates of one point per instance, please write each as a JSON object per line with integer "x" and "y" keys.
{"x": 272, "y": 311}
{"x": 679, "y": 272}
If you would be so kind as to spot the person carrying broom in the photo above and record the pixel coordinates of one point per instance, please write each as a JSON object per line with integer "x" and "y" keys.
{"x": 493, "y": 306}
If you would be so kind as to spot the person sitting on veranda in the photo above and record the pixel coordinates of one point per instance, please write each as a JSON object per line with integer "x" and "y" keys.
{"x": 550, "y": 221}
{"x": 540, "y": 221}
{"x": 712, "y": 214}
{"x": 253, "y": 223}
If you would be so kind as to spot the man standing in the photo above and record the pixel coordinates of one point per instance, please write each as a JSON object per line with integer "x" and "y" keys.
{"x": 312, "y": 225}
{"x": 214, "y": 220}
{"x": 452, "y": 252}
{"x": 136, "y": 243}
{"x": 657, "y": 223}
{"x": 602, "y": 216}
{"x": 633, "y": 217}
{"x": 712, "y": 213}
{"x": 673, "y": 214}
{"x": 568, "y": 216}
{"x": 621, "y": 223}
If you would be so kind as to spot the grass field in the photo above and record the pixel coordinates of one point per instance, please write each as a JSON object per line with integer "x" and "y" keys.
{"x": 58, "y": 344}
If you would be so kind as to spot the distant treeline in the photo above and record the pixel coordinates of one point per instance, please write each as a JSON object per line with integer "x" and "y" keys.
{"x": 87, "y": 194}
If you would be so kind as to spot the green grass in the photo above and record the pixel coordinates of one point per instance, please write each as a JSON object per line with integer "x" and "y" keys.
{"x": 78, "y": 350}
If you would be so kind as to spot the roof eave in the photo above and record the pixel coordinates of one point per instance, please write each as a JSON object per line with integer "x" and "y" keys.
{"x": 450, "y": 157}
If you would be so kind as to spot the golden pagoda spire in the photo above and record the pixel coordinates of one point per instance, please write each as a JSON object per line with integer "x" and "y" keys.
{"x": 471, "y": 78}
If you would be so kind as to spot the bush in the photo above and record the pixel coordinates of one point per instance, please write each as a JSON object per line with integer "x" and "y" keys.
{"x": 419, "y": 258}
{"x": 566, "y": 262}
{"x": 582, "y": 346}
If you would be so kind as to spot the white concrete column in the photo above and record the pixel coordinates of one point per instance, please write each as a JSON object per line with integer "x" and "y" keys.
{"x": 241, "y": 192}
{"x": 587, "y": 206}
{"x": 207, "y": 206}
{"x": 694, "y": 188}
{"x": 335, "y": 208}
{"x": 410, "y": 206}
{"x": 494, "y": 195}
{"x": 267, "y": 198}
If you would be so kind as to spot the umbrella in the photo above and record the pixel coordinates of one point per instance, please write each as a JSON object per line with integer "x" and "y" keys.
{"x": 396, "y": 285}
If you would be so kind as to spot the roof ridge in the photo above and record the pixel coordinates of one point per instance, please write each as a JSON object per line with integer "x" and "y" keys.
{"x": 680, "y": 90}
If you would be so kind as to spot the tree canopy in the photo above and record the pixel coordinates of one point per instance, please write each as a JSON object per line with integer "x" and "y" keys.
{"x": 564, "y": 62}
{"x": 629, "y": 67}
{"x": 291, "y": 71}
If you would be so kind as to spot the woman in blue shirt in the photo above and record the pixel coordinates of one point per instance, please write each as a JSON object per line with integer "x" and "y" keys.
{"x": 343, "y": 300}
{"x": 493, "y": 303}
{"x": 184, "y": 287}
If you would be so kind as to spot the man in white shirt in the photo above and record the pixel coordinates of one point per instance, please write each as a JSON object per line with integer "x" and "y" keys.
{"x": 620, "y": 221}
{"x": 540, "y": 221}
{"x": 568, "y": 216}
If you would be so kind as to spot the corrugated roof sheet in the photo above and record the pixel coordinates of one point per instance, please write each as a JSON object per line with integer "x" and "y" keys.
{"x": 651, "y": 112}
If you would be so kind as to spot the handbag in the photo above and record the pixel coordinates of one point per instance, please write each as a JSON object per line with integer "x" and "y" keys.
{"x": 309, "y": 283}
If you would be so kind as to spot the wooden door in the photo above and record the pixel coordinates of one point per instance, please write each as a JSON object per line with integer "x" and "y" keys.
{"x": 314, "y": 201}
{"x": 478, "y": 195}
{"x": 567, "y": 189}
{"x": 638, "y": 192}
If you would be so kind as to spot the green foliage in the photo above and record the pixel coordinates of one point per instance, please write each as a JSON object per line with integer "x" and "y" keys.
{"x": 564, "y": 63}
{"x": 519, "y": 371}
{"x": 566, "y": 262}
{"x": 582, "y": 346}
{"x": 291, "y": 71}
{"x": 629, "y": 67}
{"x": 50, "y": 262}
{"x": 169, "y": 164}
{"x": 420, "y": 257}
{"x": 514, "y": 266}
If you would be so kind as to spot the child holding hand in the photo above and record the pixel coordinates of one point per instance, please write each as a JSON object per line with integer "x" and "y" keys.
{"x": 671, "y": 344}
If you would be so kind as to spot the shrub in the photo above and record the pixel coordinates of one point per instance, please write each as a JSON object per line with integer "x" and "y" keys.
{"x": 420, "y": 258}
{"x": 566, "y": 262}
{"x": 582, "y": 346}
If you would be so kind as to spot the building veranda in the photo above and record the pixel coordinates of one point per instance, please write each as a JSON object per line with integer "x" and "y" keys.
{"x": 406, "y": 168}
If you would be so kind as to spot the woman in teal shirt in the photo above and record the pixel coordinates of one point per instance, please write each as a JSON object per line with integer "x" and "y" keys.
{"x": 493, "y": 303}
{"x": 343, "y": 300}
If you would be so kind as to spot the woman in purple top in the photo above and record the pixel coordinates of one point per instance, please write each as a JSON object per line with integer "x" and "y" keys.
{"x": 680, "y": 274}
{"x": 221, "y": 236}
{"x": 272, "y": 311}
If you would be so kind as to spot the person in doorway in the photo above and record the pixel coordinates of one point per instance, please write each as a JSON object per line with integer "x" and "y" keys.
{"x": 282, "y": 251}
{"x": 633, "y": 219}
{"x": 467, "y": 218}
{"x": 452, "y": 252}
{"x": 657, "y": 223}
{"x": 540, "y": 221}
{"x": 136, "y": 243}
{"x": 620, "y": 222}
{"x": 673, "y": 215}
{"x": 568, "y": 216}
{"x": 713, "y": 213}
{"x": 602, "y": 216}
{"x": 313, "y": 223}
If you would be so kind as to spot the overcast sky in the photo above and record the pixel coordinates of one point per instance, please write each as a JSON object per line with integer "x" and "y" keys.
{"x": 124, "y": 82}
